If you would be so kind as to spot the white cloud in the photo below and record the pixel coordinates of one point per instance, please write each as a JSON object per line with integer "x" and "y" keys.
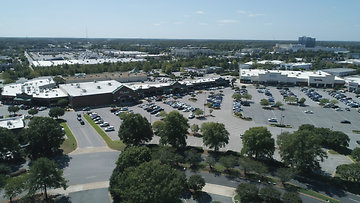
{"x": 249, "y": 13}
{"x": 200, "y": 12}
{"x": 224, "y": 21}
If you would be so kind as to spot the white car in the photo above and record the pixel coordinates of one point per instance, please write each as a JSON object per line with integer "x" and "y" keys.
{"x": 105, "y": 124}
{"x": 110, "y": 128}
{"x": 272, "y": 120}
{"x": 308, "y": 112}
{"x": 191, "y": 116}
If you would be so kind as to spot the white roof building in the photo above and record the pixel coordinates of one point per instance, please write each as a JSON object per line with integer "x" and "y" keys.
{"x": 311, "y": 78}
{"x": 13, "y": 123}
{"x": 38, "y": 88}
{"x": 90, "y": 88}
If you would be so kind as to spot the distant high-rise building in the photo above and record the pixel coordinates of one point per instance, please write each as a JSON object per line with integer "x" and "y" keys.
{"x": 307, "y": 41}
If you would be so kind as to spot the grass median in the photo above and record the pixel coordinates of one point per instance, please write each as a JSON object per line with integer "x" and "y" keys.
{"x": 312, "y": 193}
{"x": 70, "y": 143}
{"x": 113, "y": 144}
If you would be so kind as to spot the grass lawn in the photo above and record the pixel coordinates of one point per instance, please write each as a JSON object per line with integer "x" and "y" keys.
{"x": 333, "y": 152}
{"x": 116, "y": 145}
{"x": 356, "y": 131}
{"x": 70, "y": 143}
{"x": 352, "y": 158}
{"x": 313, "y": 193}
{"x": 237, "y": 198}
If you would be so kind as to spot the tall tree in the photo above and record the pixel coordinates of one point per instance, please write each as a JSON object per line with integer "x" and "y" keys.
{"x": 15, "y": 186}
{"x": 149, "y": 182}
{"x": 291, "y": 197}
{"x": 301, "y": 149}
{"x": 349, "y": 172}
{"x": 8, "y": 143}
{"x": 33, "y": 111}
{"x": 247, "y": 192}
{"x": 214, "y": 135}
{"x": 13, "y": 109}
{"x": 196, "y": 183}
{"x": 269, "y": 194}
{"x": 257, "y": 141}
{"x": 56, "y": 112}
{"x": 167, "y": 155}
{"x": 228, "y": 161}
{"x": 174, "y": 130}
{"x": 43, "y": 175}
{"x": 135, "y": 130}
{"x": 44, "y": 136}
{"x": 356, "y": 154}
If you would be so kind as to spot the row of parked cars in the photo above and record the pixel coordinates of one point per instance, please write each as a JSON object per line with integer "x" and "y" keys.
{"x": 215, "y": 100}
{"x": 182, "y": 107}
{"x": 98, "y": 120}
{"x": 152, "y": 108}
{"x": 312, "y": 94}
{"x": 344, "y": 99}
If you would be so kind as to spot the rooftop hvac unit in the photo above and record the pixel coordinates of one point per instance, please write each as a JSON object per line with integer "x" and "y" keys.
{"x": 84, "y": 90}
{"x": 98, "y": 87}
{"x": 109, "y": 83}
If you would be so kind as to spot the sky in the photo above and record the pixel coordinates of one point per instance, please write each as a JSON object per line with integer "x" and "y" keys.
{"x": 182, "y": 19}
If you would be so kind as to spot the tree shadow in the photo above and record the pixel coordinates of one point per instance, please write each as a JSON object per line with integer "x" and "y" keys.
{"x": 61, "y": 199}
{"x": 202, "y": 197}
{"x": 62, "y": 160}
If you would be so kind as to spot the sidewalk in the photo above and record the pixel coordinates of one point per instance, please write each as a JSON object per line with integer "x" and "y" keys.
{"x": 91, "y": 150}
{"x": 219, "y": 190}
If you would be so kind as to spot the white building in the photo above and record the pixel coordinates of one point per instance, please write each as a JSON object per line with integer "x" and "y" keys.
{"x": 307, "y": 78}
{"x": 353, "y": 83}
{"x": 13, "y": 123}
{"x": 291, "y": 66}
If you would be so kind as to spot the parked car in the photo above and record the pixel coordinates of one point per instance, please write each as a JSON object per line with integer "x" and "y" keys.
{"x": 104, "y": 124}
{"x": 191, "y": 116}
{"x": 110, "y": 128}
{"x": 345, "y": 122}
{"x": 358, "y": 141}
{"x": 82, "y": 122}
{"x": 86, "y": 109}
{"x": 308, "y": 112}
{"x": 272, "y": 120}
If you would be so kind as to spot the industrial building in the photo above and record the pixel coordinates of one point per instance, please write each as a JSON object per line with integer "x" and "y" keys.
{"x": 118, "y": 76}
{"x": 307, "y": 41}
{"x": 300, "y": 66}
{"x": 302, "y": 78}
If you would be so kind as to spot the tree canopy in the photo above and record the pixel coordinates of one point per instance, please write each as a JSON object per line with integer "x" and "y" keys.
{"x": 135, "y": 130}
{"x": 301, "y": 149}
{"x": 44, "y": 174}
{"x": 196, "y": 182}
{"x": 44, "y": 136}
{"x": 257, "y": 141}
{"x": 13, "y": 109}
{"x": 356, "y": 154}
{"x": 56, "y": 112}
{"x": 174, "y": 130}
{"x": 148, "y": 182}
{"x": 269, "y": 194}
{"x": 291, "y": 197}
{"x": 8, "y": 143}
{"x": 247, "y": 192}
{"x": 215, "y": 135}
{"x": 33, "y": 111}
{"x": 349, "y": 172}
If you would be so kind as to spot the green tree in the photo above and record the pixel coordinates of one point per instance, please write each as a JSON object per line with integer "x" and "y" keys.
{"x": 15, "y": 186}
{"x": 290, "y": 99}
{"x": 4, "y": 173}
{"x": 334, "y": 101}
{"x": 167, "y": 155}
{"x": 59, "y": 80}
{"x": 13, "y": 109}
{"x": 247, "y": 192}
{"x": 278, "y": 104}
{"x": 285, "y": 174}
{"x": 33, "y": 111}
{"x": 62, "y": 102}
{"x": 135, "y": 130}
{"x": 247, "y": 96}
{"x": 215, "y": 135}
{"x": 43, "y": 175}
{"x": 269, "y": 194}
{"x": 156, "y": 126}
{"x": 248, "y": 164}
{"x": 198, "y": 112}
{"x": 8, "y": 143}
{"x": 323, "y": 101}
{"x": 196, "y": 183}
{"x": 210, "y": 161}
{"x": 149, "y": 182}
{"x": 44, "y": 136}
{"x": 228, "y": 161}
{"x": 356, "y": 154}
{"x": 194, "y": 128}
{"x": 56, "y": 112}
{"x": 236, "y": 96}
{"x": 291, "y": 197}
{"x": 192, "y": 156}
{"x": 301, "y": 149}
{"x": 264, "y": 102}
{"x": 349, "y": 172}
{"x": 302, "y": 100}
{"x": 257, "y": 141}
{"x": 174, "y": 130}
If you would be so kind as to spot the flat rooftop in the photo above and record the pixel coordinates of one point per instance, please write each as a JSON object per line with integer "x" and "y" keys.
{"x": 107, "y": 76}
{"x": 90, "y": 88}
{"x": 83, "y": 61}
{"x": 13, "y": 123}
{"x": 339, "y": 70}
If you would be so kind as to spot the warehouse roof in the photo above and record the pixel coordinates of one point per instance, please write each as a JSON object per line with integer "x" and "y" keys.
{"x": 90, "y": 88}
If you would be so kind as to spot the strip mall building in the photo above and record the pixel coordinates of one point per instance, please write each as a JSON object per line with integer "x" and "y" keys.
{"x": 43, "y": 91}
